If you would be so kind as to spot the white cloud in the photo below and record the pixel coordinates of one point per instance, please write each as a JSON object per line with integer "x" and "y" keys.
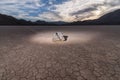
{"x": 15, "y": 7}
{"x": 50, "y": 16}
{"x": 85, "y": 9}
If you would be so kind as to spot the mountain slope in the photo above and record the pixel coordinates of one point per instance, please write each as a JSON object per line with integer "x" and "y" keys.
{"x": 9, "y": 20}
{"x": 112, "y": 18}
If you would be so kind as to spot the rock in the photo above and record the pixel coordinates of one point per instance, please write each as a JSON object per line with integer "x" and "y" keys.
{"x": 58, "y": 36}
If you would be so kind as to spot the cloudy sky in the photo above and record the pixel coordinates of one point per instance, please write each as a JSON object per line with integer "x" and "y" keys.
{"x": 58, "y": 10}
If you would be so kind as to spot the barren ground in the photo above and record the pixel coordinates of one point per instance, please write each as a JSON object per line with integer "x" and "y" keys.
{"x": 90, "y": 53}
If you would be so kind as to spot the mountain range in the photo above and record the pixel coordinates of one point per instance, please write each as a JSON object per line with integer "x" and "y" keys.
{"x": 112, "y": 18}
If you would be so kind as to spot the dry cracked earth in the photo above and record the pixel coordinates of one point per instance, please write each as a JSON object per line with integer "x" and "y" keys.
{"x": 95, "y": 59}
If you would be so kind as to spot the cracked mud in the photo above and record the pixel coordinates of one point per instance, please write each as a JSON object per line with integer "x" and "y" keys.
{"x": 98, "y": 59}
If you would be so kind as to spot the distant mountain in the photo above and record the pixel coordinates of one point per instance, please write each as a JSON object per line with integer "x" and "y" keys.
{"x": 112, "y": 18}
{"x": 8, "y": 20}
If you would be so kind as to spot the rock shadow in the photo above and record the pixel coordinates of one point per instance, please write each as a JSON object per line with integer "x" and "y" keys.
{"x": 66, "y": 37}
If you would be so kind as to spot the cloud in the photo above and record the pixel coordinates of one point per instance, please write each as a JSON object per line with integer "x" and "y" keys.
{"x": 19, "y": 8}
{"x": 75, "y": 10}
{"x": 50, "y": 16}
{"x": 55, "y": 10}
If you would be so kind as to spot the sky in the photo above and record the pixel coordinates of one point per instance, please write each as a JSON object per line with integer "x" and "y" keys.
{"x": 58, "y": 10}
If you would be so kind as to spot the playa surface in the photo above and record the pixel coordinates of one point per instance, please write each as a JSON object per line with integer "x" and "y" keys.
{"x": 90, "y": 53}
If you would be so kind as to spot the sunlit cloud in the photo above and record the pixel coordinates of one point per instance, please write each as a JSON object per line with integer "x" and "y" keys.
{"x": 50, "y": 16}
{"x": 78, "y": 10}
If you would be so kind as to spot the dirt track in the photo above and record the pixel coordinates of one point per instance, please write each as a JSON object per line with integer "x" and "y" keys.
{"x": 90, "y": 53}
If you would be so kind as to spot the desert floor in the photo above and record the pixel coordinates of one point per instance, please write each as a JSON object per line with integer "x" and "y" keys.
{"x": 90, "y": 53}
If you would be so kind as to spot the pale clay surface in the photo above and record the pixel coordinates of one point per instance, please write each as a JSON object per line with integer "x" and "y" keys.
{"x": 91, "y": 53}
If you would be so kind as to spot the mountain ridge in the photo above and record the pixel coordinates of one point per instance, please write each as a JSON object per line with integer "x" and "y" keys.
{"x": 111, "y": 18}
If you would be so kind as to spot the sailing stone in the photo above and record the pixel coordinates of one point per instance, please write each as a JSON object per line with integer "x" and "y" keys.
{"x": 58, "y": 36}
